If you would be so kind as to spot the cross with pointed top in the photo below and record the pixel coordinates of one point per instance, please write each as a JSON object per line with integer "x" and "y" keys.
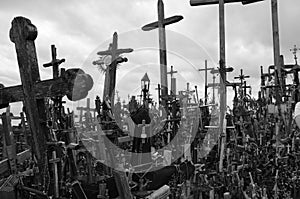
{"x": 294, "y": 50}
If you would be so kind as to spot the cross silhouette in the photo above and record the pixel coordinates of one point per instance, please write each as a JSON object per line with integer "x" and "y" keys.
{"x": 294, "y": 51}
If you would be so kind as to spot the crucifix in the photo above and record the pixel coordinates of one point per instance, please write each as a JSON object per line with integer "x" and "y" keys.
{"x": 110, "y": 74}
{"x": 173, "y": 81}
{"x": 222, "y": 63}
{"x": 160, "y": 24}
{"x": 33, "y": 91}
{"x": 205, "y": 87}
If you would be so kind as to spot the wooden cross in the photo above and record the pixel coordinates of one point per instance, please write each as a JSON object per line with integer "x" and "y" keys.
{"x": 161, "y": 24}
{"x": 242, "y": 77}
{"x": 205, "y": 87}
{"x": 213, "y": 85}
{"x": 54, "y": 62}
{"x": 173, "y": 81}
{"x": 33, "y": 91}
{"x": 222, "y": 62}
{"x": 114, "y": 52}
{"x": 294, "y": 51}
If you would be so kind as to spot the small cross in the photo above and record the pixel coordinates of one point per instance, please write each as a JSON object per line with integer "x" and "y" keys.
{"x": 172, "y": 72}
{"x": 54, "y": 62}
{"x": 242, "y": 77}
{"x": 294, "y": 51}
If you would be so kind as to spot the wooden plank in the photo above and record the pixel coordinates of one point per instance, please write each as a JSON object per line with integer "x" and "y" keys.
{"x": 21, "y": 157}
{"x": 47, "y": 88}
{"x": 167, "y": 21}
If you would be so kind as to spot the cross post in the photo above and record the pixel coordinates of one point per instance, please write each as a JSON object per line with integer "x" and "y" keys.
{"x": 110, "y": 76}
{"x": 160, "y": 24}
{"x": 205, "y": 87}
{"x": 173, "y": 81}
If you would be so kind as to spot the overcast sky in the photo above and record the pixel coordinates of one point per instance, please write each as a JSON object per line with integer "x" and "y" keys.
{"x": 79, "y": 29}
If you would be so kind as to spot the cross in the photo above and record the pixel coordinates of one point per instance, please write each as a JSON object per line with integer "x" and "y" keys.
{"x": 33, "y": 91}
{"x": 205, "y": 87}
{"x": 160, "y": 24}
{"x": 242, "y": 77}
{"x": 110, "y": 76}
{"x": 213, "y": 85}
{"x": 222, "y": 60}
{"x": 294, "y": 51}
{"x": 54, "y": 62}
{"x": 244, "y": 87}
{"x": 173, "y": 81}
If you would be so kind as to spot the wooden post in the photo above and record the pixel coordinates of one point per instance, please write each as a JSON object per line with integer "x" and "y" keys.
{"x": 276, "y": 46}
{"x": 8, "y": 138}
{"x": 173, "y": 81}
{"x": 160, "y": 24}
{"x": 222, "y": 82}
{"x": 23, "y": 33}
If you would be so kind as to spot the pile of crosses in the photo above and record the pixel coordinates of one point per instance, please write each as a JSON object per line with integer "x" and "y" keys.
{"x": 262, "y": 148}
{"x": 39, "y": 155}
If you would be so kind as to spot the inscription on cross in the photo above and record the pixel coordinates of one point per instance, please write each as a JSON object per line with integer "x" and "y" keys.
{"x": 161, "y": 24}
{"x": 110, "y": 76}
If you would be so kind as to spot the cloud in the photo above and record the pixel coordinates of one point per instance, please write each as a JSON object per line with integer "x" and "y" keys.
{"x": 81, "y": 28}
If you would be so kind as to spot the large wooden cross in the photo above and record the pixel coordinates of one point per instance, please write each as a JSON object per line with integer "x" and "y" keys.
{"x": 161, "y": 24}
{"x": 222, "y": 63}
{"x": 33, "y": 91}
{"x": 110, "y": 76}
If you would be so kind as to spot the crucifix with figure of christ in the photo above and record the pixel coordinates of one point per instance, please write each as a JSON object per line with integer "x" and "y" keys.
{"x": 161, "y": 24}
{"x": 110, "y": 74}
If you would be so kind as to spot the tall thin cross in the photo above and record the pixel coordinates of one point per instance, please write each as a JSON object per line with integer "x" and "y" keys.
{"x": 205, "y": 87}
{"x": 173, "y": 80}
{"x": 54, "y": 62}
{"x": 113, "y": 50}
{"x": 160, "y": 24}
{"x": 222, "y": 63}
{"x": 294, "y": 51}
